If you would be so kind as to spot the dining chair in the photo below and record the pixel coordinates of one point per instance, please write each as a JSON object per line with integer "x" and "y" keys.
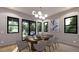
{"x": 40, "y": 47}
{"x": 22, "y": 46}
{"x": 49, "y": 44}
{"x": 55, "y": 42}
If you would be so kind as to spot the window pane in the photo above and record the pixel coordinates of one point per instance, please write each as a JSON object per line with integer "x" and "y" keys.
{"x": 71, "y": 21}
{"x": 70, "y": 29}
{"x": 32, "y": 28}
{"x": 13, "y": 29}
{"x": 68, "y": 21}
{"x": 39, "y": 26}
{"x": 13, "y": 23}
{"x": 25, "y": 29}
{"x": 45, "y": 26}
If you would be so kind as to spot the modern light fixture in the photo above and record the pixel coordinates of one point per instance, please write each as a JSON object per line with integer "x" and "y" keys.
{"x": 39, "y": 15}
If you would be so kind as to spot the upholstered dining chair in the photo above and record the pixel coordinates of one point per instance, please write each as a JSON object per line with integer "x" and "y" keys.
{"x": 49, "y": 43}
{"x": 55, "y": 42}
{"x": 52, "y": 42}
{"x": 23, "y": 46}
{"x": 40, "y": 47}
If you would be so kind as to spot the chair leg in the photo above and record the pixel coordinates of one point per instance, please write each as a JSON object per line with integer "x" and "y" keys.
{"x": 50, "y": 48}
{"x": 53, "y": 47}
{"x": 17, "y": 50}
{"x": 56, "y": 45}
{"x": 29, "y": 49}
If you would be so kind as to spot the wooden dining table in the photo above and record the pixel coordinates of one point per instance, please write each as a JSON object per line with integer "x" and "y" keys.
{"x": 46, "y": 37}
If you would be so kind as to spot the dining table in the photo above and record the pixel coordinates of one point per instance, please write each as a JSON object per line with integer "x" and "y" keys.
{"x": 46, "y": 37}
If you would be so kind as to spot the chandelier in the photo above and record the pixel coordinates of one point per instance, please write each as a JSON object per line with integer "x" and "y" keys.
{"x": 39, "y": 15}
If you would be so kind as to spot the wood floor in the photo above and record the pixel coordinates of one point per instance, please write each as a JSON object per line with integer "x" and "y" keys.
{"x": 61, "y": 48}
{"x": 8, "y": 48}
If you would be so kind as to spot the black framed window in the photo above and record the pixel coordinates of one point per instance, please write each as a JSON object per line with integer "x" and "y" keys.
{"x": 45, "y": 27}
{"x": 32, "y": 28}
{"x": 25, "y": 28}
{"x": 70, "y": 24}
{"x": 12, "y": 25}
{"x": 39, "y": 26}
{"x": 28, "y": 28}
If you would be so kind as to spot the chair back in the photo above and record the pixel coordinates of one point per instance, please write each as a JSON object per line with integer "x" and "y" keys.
{"x": 22, "y": 45}
{"x": 40, "y": 46}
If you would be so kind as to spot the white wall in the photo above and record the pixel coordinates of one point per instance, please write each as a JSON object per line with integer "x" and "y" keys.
{"x": 72, "y": 39}
{"x": 10, "y": 38}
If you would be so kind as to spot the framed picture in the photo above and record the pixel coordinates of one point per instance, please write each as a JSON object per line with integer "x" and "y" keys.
{"x": 55, "y": 25}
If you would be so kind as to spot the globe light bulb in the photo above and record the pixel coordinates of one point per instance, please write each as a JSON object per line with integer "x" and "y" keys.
{"x": 33, "y": 12}
{"x": 39, "y": 13}
{"x": 40, "y": 17}
{"x": 43, "y": 17}
{"x": 36, "y": 15}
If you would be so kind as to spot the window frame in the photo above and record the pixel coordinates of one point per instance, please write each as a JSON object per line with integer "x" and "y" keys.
{"x": 13, "y": 19}
{"x": 71, "y": 24}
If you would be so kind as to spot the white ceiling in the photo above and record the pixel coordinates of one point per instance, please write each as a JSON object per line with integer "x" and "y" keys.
{"x": 45, "y": 10}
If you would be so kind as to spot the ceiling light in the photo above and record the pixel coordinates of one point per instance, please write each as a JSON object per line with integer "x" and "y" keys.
{"x": 39, "y": 13}
{"x": 40, "y": 17}
{"x": 36, "y": 15}
{"x": 43, "y": 17}
{"x": 33, "y": 12}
